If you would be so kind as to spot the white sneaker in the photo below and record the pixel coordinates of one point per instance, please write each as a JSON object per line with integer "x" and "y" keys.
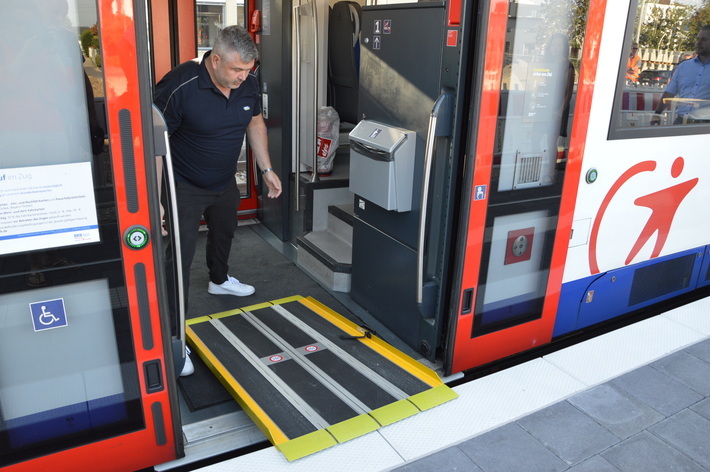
{"x": 231, "y": 287}
{"x": 188, "y": 368}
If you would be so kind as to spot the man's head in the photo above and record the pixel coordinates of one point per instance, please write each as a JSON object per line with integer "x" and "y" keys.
{"x": 634, "y": 49}
{"x": 702, "y": 43}
{"x": 233, "y": 56}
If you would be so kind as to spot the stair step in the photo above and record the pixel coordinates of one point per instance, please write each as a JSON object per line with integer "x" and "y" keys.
{"x": 340, "y": 222}
{"x": 343, "y": 212}
{"x": 327, "y": 258}
{"x": 334, "y": 252}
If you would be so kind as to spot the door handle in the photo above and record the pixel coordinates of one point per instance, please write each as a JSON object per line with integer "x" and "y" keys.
{"x": 162, "y": 148}
{"x": 297, "y": 122}
{"x": 439, "y": 125}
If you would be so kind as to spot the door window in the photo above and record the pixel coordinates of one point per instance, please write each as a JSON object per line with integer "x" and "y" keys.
{"x": 540, "y": 66}
{"x": 67, "y": 366}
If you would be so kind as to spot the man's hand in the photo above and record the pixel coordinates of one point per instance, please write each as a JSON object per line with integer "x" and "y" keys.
{"x": 273, "y": 182}
{"x": 163, "y": 231}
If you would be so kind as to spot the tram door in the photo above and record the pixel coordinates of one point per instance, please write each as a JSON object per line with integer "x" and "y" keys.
{"x": 526, "y": 143}
{"x": 400, "y": 167}
{"x": 84, "y": 376}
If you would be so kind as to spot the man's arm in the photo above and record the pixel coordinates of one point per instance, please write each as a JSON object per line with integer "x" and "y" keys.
{"x": 656, "y": 118}
{"x": 259, "y": 144}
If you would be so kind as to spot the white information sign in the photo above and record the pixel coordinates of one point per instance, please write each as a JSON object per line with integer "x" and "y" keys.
{"x": 47, "y": 206}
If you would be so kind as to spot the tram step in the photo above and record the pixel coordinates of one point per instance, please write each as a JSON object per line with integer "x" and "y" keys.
{"x": 327, "y": 254}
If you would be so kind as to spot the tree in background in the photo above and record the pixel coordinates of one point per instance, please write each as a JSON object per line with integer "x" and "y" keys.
{"x": 568, "y": 17}
{"x": 666, "y": 28}
{"x": 697, "y": 20}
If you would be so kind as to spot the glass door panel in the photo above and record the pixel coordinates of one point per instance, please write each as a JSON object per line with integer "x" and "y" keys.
{"x": 530, "y": 84}
{"x": 69, "y": 374}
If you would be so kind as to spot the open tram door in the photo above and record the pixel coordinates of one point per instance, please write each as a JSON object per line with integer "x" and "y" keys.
{"x": 86, "y": 368}
{"x": 530, "y": 114}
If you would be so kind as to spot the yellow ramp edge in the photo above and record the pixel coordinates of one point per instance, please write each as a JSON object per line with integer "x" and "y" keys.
{"x": 399, "y": 410}
{"x": 282, "y": 301}
{"x": 319, "y": 440}
{"x": 306, "y": 444}
{"x": 404, "y": 361}
{"x": 258, "y": 306}
{"x": 433, "y": 397}
{"x": 353, "y": 428}
{"x": 200, "y": 319}
{"x": 248, "y": 404}
{"x": 224, "y": 314}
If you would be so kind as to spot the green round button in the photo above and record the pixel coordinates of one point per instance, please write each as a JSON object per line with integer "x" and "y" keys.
{"x": 592, "y": 175}
{"x": 136, "y": 237}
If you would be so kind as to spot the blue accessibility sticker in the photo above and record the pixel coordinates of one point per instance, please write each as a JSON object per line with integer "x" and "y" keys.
{"x": 48, "y": 314}
{"x": 480, "y": 192}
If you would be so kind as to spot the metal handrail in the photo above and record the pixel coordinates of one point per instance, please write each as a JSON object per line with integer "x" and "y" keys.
{"x": 439, "y": 108}
{"x": 175, "y": 233}
{"x": 314, "y": 177}
{"x": 297, "y": 124}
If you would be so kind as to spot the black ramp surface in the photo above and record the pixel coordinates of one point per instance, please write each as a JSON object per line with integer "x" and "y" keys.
{"x": 291, "y": 421}
{"x": 337, "y": 368}
{"x": 296, "y": 368}
{"x": 386, "y": 368}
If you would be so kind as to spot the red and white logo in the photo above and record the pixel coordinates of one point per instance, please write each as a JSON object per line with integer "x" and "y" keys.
{"x": 661, "y": 207}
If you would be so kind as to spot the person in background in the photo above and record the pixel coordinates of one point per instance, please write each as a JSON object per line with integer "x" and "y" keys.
{"x": 209, "y": 106}
{"x": 691, "y": 79}
{"x": 633, "y": 65}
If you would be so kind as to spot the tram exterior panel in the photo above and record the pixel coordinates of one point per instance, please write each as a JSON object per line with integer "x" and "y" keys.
{"x": 530, "y": 237}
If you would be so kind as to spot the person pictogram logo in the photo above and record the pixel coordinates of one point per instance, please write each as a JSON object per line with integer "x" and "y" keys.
{"x": 663, "y": 204}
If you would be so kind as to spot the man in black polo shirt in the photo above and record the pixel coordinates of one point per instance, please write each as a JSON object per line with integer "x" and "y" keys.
{"x": 208, "y": 107}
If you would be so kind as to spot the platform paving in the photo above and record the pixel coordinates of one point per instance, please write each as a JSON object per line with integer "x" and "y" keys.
{"x": 655, "y": 418}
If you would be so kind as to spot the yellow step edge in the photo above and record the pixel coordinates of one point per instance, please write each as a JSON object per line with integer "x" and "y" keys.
{"x": 258, "y": 306}
{"x": 251, "y": 407}
{"x": 307, "y": 444}
{"x": 199, "y": 319}
{"x": 225, "y": 314}
{"x": 281, "y": 301}
{"x": 404, "y": 361}
{"x": 399, "y": 410}
{"x": 433, "y": 397}
{"x": 353, "y": 428}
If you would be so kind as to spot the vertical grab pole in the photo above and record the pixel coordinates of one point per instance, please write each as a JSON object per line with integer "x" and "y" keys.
{"x": 175, "y": 232}
{"x": 297, "y": 138}
{"x": 314, "y": 178}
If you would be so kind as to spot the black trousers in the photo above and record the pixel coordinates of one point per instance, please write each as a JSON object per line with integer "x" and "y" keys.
{"x": 219, "y": 210}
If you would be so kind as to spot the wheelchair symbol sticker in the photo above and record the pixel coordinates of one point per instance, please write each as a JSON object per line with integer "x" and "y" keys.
{"x": 48, "y": 314}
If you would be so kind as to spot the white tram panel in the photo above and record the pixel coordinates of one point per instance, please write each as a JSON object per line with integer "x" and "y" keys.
{"x": 672, "y": 164}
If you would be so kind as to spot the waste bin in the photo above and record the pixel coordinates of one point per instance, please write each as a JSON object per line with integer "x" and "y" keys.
{"x": 382, "y": 164}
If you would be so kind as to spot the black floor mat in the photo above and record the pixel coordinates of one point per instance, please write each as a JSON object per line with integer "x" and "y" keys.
{"x": 202, "y": 389}
{"x": 255, "y": 262}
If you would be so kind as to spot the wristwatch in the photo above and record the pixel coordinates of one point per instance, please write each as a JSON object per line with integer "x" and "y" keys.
{"x": 268, "y": 169}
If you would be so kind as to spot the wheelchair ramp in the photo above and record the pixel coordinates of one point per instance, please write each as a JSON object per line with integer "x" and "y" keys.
{"x": 310, "y": 378}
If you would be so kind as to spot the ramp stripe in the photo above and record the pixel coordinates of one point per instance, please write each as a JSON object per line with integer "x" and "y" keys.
{"x": 304, "y": 362}
{"x": 373, "y": 376}
{"x": 288, "y": 393}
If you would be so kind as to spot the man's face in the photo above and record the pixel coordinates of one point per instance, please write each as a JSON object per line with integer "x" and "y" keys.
{"x": 634, "y": 50}
{"x": 229, "y": 70}
{"x": 702, "y": 45}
